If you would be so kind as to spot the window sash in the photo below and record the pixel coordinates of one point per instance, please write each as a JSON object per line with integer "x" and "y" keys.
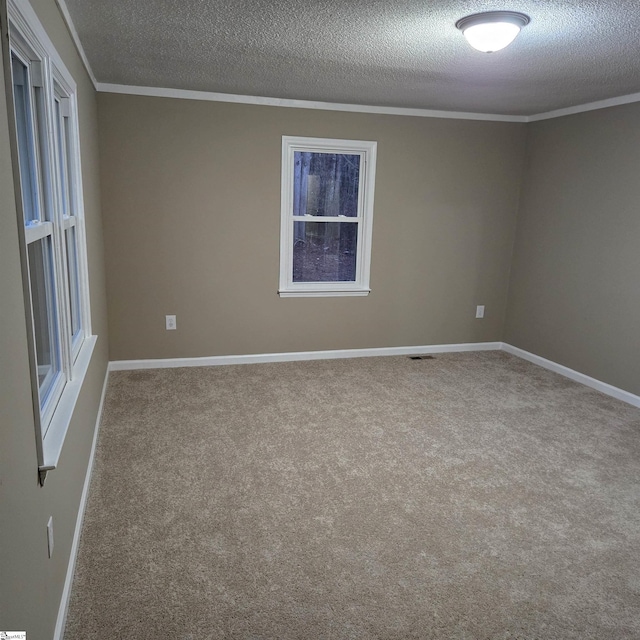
{"x": 26, "y": 136}
{"x": 68, "y": 221}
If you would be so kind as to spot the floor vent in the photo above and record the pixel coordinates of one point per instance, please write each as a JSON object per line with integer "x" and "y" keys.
{"x": 421, "y": 357}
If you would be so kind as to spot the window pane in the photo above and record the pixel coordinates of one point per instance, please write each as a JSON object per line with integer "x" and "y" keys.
{"x": 66, "y": 138}
{"x": 324, "y": 251}
{"x": 74, "y": 284}
{"x": 325, "y": 184}
{"x": 26, "y": 141}
{"x": 62, "y": 160}
{"x": 45, "y": 321}
{"x": 45, "y": 173}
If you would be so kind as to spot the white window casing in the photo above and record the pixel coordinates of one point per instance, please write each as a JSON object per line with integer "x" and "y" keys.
{"x": 51, "y": 213}
{"x": 357, "y": 283}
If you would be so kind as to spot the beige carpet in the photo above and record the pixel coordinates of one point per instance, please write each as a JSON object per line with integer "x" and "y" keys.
{"x": 470, "y": 496}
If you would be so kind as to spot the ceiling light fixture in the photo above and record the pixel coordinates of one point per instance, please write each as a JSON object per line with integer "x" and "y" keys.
{"x": 493, "y": 30}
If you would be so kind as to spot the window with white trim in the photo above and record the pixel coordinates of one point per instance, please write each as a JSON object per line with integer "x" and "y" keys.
{"x": 326, "y": 217}
{"x": 54, "y": 255}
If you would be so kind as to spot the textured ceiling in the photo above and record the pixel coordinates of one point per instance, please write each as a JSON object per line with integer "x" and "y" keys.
{"x": 398, "y": 53}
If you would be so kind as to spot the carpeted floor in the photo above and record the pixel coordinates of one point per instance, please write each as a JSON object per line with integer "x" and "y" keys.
{"x": 471, "y": 496}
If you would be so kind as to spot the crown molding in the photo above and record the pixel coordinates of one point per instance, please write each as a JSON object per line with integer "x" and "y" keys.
{"x": 590, "y": 106}
{"x": 76, "y": 40}
{"x": 185, "y": 94}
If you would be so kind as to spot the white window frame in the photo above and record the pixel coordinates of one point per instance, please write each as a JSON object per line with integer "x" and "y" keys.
{"x": 367, "y": 152}
{"x": 30, "y": 44}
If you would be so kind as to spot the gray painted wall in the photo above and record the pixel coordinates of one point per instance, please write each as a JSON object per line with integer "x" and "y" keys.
{"x": 32, "y": 584}
{"x": 191, "y": 201}
{"x": 574, "y": 295}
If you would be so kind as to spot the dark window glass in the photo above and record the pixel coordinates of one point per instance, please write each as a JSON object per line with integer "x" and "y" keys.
{"x": 325, "y": 184}
{"x": 324, "y": 251}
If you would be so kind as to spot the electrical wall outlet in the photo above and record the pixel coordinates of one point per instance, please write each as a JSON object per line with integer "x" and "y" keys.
{"x": 50, "y": 535}
{"x": 480, "y": 311}
{"x": 170, "y": 323}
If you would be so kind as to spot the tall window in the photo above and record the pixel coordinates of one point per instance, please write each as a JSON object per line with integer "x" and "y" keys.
{"x": 327, "y": 210}
{"x": 55, "y": 258}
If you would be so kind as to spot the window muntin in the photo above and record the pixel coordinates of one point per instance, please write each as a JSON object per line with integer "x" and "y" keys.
{"x": 327, "y": 208}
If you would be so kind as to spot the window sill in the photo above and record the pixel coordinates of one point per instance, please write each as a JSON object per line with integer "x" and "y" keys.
{"x": 321, "y": 293}
{"x": 54, "y": 439}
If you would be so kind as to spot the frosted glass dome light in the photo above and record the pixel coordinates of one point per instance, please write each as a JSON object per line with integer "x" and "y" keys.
{"x": 493, "y": 30}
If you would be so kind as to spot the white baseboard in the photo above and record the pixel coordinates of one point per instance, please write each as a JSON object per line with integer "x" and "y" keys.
{"x": 610, "y": 390}
{"x": 167, "y": 363}
{"x": 66, "y": 592}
